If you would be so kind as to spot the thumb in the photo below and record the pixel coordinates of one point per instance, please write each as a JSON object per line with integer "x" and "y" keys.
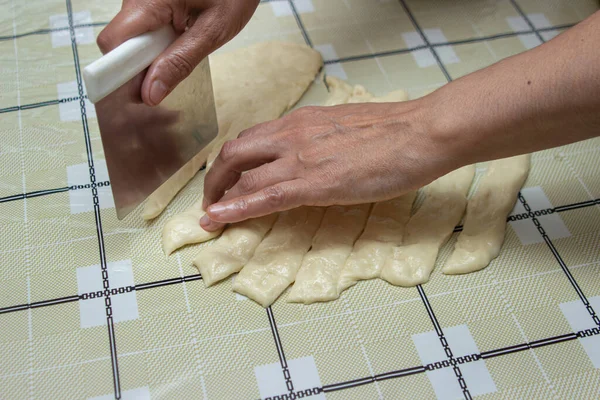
{"x": 131, "y": 21}
{"x": 179, "y": 60}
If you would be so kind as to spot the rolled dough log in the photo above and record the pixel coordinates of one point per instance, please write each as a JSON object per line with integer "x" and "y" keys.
{"x": 230, "y": 252}
{"x": 485, "y": 222}
{"x": 384, "y": 230}
{"x": 318, "y": 277}
{"x": 253, "y": 85}
{"x": 429, "y": 228}
{"x": 277, "y": 258}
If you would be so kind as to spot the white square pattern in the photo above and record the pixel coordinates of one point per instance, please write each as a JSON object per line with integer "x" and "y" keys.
{"x": 283, "y": 8}
{"x": 444, "y": 382}
{"x": 71, "y": 110}
{"x": 579, "y": 319}
{"x": 336, "y": 69}
{"x": 124, "y": 306}
{"x": 84, "y": 35}
{"x": 526, "y": 230}
{"x": 303, "y": 372}
{"x": 81, "y": 200}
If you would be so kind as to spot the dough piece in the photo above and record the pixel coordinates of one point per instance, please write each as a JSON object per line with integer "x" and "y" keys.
{"x": 318, "y": 277}
{"x": 230, "y": 252}
{"x": 237, "y": 245}
{"x": 384, "y": 230}
{"x": 184, "y": 228}
{"x": 277, "y": 258}
{"x": 253, "y": 85}
{"x": 360, "y": 95}
{"x": 485, "y": 222}
{"x": 391, "y": 97}
{"x": 429, "y": 228}
{"x": 339, "y": 91}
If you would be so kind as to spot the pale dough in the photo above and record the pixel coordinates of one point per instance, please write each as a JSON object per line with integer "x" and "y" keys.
{"x": 318, "y": 277}
{"x": 277, "y": 258}
{"x": 251, "y": 85}
{"x": 429, "y": 228}
{"x": 230, "y": 252}
{"x": 485, "y": 222}
{"x": 384, "y": 230}
{"x": 184, "y": 228}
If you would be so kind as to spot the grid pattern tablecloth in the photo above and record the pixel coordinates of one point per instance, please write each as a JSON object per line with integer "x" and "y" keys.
{"x": 89, "y": 306}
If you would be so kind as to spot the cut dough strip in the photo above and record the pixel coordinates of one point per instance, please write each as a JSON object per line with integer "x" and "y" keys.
{"x": 251, "y": 85}
{"x": 277, "y": 258}
{"x": 429, "y": 228}
{"x": 485, "y": 222}
{"x": 184, "y": 228}
{"x": 318, "y": 277}
{"x": 230, "y": 252}
{"x": 384, "y": 230}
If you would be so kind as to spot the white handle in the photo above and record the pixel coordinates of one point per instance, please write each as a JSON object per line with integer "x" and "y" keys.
{"x": 111, "y": 71}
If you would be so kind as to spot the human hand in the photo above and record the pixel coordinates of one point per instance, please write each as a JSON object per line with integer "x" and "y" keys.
{"x": 204, "y": 25}
{"x": 320, "y": 156}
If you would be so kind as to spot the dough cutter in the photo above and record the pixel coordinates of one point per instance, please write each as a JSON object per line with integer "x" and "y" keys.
{"x": 144, "y": 145}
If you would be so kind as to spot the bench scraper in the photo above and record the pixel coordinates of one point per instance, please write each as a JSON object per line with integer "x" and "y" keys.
{"x": 144, "y": 146}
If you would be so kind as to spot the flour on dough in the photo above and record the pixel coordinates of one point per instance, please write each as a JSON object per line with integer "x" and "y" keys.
{"x": 233, "y": 249}
{"x": 318, "y": 277}
{"x": 251, "y": 85}
{"x": 277, "y": 258}
{"x": 429, "y": 228}
{"x": 485, "y": 222}
{"x": 184, "y": 228}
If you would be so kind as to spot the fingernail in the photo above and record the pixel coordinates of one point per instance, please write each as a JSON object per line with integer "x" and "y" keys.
{"x": 205, "y": 221}
{"x": 158, "y": 91}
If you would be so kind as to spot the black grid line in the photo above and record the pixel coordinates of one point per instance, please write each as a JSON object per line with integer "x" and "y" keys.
{"x": 413, "y": 20}
{"x": 438, "y": 329}
{"x": 45, "y": 192}
{"x": 98, "y": 218}
{"x": 300, "y": 23}
{"x": 527, "y": 20}
{"x": 335, "y": 61}
{"x": 560, "y": 261}
{"x": 333, "y": 387}
{"x": 282, "y": 360}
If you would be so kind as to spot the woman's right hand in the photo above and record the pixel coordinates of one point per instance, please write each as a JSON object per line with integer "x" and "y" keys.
{"x": 204, "y": 25}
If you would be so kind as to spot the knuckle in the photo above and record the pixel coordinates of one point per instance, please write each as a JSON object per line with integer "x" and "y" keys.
{"x": 275, "y": 196}
{"x": 228, "y": 151}
{"x": 179, "y": 65}
{"x": 103, "y": 41}
{"x": 247, "y": 183}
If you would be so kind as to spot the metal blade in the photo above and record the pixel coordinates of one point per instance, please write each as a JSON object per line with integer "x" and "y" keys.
{"x": 144, "y": 146}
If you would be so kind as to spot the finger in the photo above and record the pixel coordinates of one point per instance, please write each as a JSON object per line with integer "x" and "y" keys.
{"x": 179, "y": 60}
{"x": 132, "y": 21}
{"x": 280, "y": 197}
{"x": 235, "y": 157}
{"x": 263, "y": 129}
{"x": 259, "y": 178}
